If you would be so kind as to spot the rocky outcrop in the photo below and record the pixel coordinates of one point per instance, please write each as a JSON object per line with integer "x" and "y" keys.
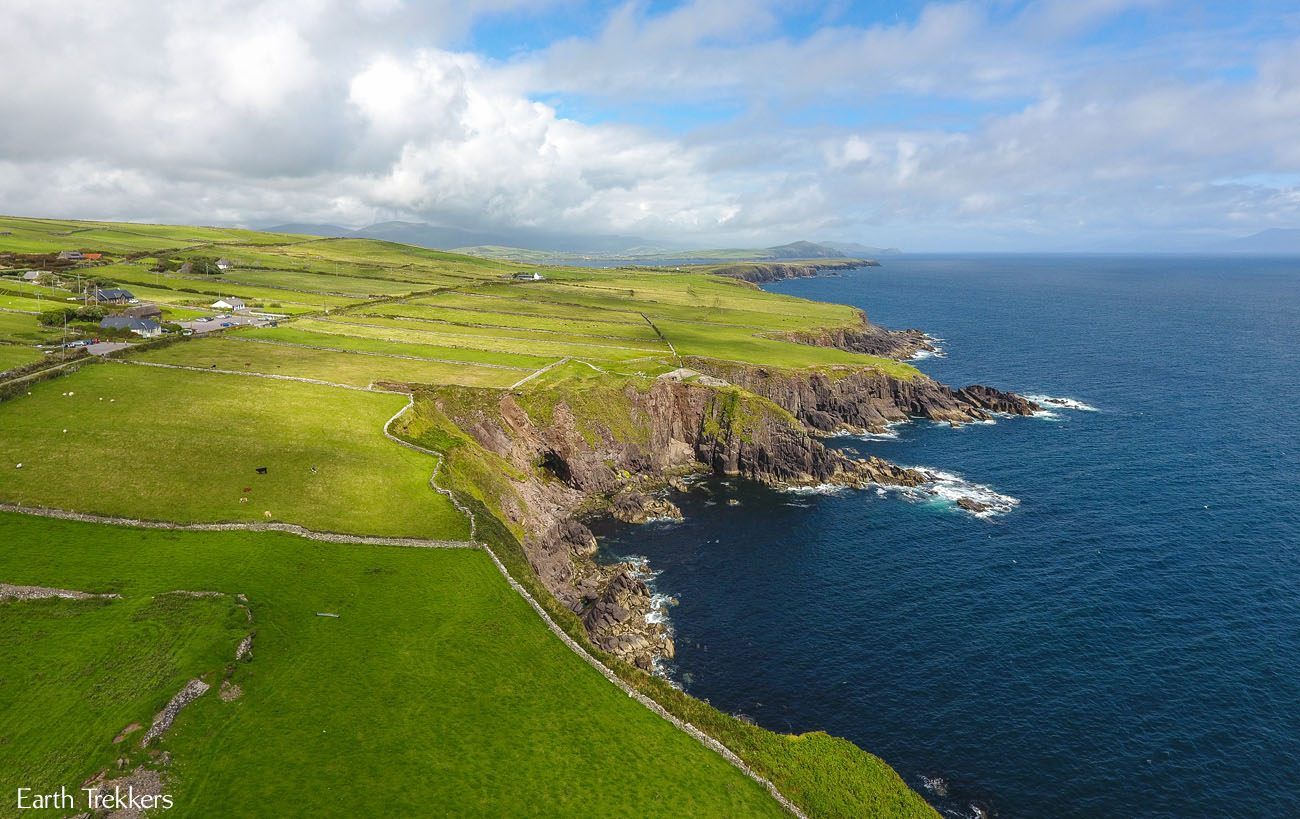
{"x": 192, "y": 690}
{"x": 867, "y": 338}
{"x": 9, "y": 591}
{"x": 763, "y": 272}
{"x": 617, "y": 620}
{"x": 855, "y": 400}
{"x": 632, "y": 506}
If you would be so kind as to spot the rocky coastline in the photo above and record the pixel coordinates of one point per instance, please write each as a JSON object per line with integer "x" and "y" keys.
{"x": 613, "y": 449}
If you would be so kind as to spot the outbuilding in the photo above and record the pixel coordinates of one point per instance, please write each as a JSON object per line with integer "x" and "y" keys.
{"x": 144, "y": 311}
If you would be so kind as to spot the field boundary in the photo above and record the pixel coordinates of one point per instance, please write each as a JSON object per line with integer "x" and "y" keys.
{"x": 288, "y": 528}
{"x": 542, "y": 371}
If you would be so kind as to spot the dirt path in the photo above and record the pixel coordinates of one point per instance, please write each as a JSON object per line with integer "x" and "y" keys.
{"x": 289, "y": 528}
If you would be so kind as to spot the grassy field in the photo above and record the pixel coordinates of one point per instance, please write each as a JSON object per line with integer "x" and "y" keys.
{"x": 436, "y": 691}
{"x": 176, "y": 445}
{"x": 79, "y": 671}
{"x": 14, "y": 355}
{"x": 336, "y": 366}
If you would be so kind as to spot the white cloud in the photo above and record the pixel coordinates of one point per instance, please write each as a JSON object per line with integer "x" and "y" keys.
{"x": 1008, "y": 130}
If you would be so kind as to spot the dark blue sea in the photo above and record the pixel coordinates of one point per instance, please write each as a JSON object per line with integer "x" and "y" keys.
{"x": 1124, "y": 640}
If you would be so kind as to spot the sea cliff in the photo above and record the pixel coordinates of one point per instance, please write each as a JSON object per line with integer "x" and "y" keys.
{"x": 612, "y": 444}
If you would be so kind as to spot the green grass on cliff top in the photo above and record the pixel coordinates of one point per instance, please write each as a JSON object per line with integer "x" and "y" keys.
{"x": 437, "y": 690}
{"x": 176, "y": 445}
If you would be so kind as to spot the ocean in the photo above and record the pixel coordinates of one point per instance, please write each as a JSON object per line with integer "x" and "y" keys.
{"x": 1123, "y": 637}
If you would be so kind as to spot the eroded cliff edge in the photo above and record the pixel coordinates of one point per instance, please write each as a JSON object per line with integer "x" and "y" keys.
{"x": 542, "y": 458}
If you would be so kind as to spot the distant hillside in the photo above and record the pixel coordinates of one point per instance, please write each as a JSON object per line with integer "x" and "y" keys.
{"x": 306, "y": 229}
{"x": 644, "y": 255}
{"x": 1281, "y": 241}
{"x": 540, "y": 247}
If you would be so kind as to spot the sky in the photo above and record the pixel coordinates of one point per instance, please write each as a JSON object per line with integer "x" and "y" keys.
{"x": 1107, "y": 125}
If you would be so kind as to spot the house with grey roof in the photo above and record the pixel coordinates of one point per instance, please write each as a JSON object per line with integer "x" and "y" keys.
{"x": 114, "y": 295}
{"x": 145, "y": 328}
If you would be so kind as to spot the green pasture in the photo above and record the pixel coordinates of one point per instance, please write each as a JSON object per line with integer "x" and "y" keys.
{"x": 333, "y": 336}
{"x": 77, "y": 672}
{"x": 359, "y": 369}
{"x": 16, "y": 355}
{"x": 184, "y": 446}
{"x": 594, "y": 327}
{"x": 436, "y": 690}
{"x": 488, "y": 342}
{"x": 353, "y": 287}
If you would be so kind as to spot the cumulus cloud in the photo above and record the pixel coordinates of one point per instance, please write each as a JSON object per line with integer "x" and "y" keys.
{"x": 968, "y": 124}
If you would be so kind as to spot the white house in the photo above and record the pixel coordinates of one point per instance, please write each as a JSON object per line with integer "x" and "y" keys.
{"x": 224, "y": 264}
{"x": 231, "y": 303}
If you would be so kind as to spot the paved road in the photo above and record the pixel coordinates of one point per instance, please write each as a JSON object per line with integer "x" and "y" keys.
{"x": 106, "y": 347}
{"x": 207, "y": 326}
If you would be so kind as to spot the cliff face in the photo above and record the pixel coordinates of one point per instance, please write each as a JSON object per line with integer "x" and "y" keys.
{"x": 614, "y": 442}
{"x": 620, "y": 443}
{"x": 835, "y": 400}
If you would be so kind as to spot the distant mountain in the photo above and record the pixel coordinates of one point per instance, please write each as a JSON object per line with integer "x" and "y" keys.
{"x": 853, "y": 250}
{"x": 827, "y": 250}
{"x": 1280, "y": 241}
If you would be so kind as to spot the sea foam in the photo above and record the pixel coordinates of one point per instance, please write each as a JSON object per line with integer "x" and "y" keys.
{"x": 1063, "y": 403}
{"x": 946, "y": 489}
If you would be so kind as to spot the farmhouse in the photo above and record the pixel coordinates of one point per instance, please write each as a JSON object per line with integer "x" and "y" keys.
{"x": 224, "y": 264}
{"x": 528, "y": 277}
{"x": 144, "y": 328}
{"x": 229, "y": 303}
{"x": 114, "y": 295}
{"x": 32, "y": 276}
{"x": 70, "y": 255}
{"x": 144, "y": 311}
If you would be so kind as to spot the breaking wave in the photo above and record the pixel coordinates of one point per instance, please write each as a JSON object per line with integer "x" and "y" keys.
{"x": 1063, "y": 403}
{"x": 815, "y": 489}
{"x": 937, "y": 352}
{"x": 890, "y": 433}
{"x": 947, "y": 489}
